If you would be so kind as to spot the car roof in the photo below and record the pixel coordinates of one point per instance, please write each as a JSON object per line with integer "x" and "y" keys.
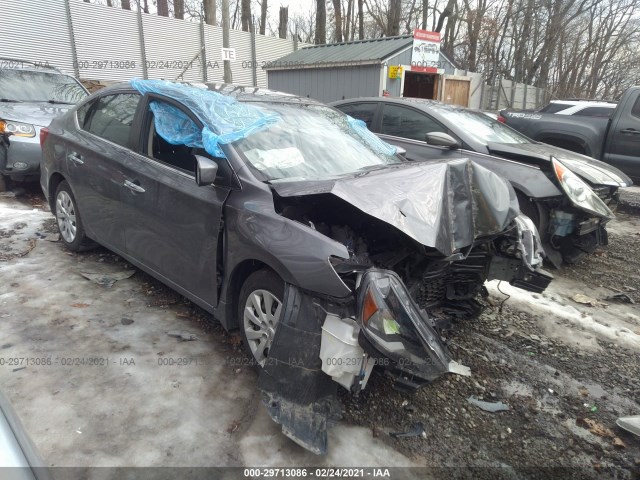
{"x": 242, "y": 93}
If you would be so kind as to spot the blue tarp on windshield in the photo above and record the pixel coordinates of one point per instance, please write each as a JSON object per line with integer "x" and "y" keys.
{"x": 225, "y": 119}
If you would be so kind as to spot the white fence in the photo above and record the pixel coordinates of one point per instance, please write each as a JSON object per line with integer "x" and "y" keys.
{"x": 96, "y": 42}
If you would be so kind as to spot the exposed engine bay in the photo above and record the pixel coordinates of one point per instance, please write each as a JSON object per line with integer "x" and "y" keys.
{"x": 445, "y": 287}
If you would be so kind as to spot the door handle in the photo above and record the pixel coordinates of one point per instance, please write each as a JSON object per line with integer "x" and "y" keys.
{"x": 632, "y": 131}
{"x": 133, "y": 187}
{"x": 75, "y": 158}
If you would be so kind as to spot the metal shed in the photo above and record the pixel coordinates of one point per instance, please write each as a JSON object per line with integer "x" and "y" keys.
{"x": 363, "y": 69}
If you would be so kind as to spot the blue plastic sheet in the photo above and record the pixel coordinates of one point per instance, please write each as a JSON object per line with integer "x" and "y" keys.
{"x": 225, "y": 119}
{"x": 371, "y": 138}
{"x": 180, "y": 130}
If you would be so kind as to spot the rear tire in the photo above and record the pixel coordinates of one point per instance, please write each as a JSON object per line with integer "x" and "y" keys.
{"x": 259, "y": 312}
{"x": 68, "y": 219}
{"x": 4, "y": 183}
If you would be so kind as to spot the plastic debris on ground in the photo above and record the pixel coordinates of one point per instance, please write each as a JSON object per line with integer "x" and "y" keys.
{"x": 491, "y": 407}
{"x": 224, "y": 118}
{"x": 107, "y": 280}
{"x": 630, "y": 424}
{"x": 183, "y": 335}
{"x": 416, "y": 430}
{"x": 585, "y": 300}
{"x": 621, "y": 297}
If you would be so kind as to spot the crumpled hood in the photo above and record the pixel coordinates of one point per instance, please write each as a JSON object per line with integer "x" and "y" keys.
{"x": 444, "y": 206}
{"x": 39, "y": 114}
{"x": 592, "y": 170}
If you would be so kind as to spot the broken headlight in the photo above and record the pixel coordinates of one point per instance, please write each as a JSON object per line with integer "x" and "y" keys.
{"x": 579, "y": 192}
{"x": 393, "y": 324}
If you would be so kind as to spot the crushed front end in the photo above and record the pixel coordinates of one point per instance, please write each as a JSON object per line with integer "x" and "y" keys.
{"x": 409, "y": 281}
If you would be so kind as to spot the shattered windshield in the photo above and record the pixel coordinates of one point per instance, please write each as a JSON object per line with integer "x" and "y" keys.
{"x": 31, "y": 86}
{"x": 481, "y": 127}
{"x": 313, "y": 142}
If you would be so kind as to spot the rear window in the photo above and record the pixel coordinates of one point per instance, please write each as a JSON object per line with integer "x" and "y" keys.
{"x": 35, "y": 86}
{"x": 361, "y": 111}
{"x": 595, "y": 112}
{"x": 554, "y": 108}
{"x": 635, "y": 111}
{"x": 110, "y": 117}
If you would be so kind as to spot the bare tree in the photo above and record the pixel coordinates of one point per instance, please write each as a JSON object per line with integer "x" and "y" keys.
{"x": 321, "y": 22}
{"x": 283, "y": 22}
{"x": 209, "y": 11}
{"x": 263, "y": 18}
{"x": 126, "y": 4}
{"x": 178, "y": 9}
{"x": 337, "y": 13}
{"x": 245, "y": 14}
{"x": 163, "y": 8}
{"x": 360, "y": 20}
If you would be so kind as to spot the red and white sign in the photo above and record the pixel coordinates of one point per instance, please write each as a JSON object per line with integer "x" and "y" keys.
{"x": 425, "y": 55}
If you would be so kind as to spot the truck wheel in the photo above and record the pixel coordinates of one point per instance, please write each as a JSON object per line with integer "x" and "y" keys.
{"x": 259, "y": 311}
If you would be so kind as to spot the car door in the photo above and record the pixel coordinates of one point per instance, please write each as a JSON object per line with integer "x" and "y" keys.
{"x": 407, "y": 127}
{"x": 172, "y": 224}
{"x": 623, "y": 142}
{"x": 96, "y": 153}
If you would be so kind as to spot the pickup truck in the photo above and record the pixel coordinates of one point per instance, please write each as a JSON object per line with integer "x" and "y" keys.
{"x": 614, "y": 140}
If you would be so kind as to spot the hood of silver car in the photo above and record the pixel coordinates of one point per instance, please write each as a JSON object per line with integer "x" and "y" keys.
{"x": 592, "y": 170}
{"x": 444, "y": 206}
{"x": 39, "y": 114}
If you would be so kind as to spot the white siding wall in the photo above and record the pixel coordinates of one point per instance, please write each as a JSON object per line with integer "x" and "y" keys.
{"x": 107, "y": 38}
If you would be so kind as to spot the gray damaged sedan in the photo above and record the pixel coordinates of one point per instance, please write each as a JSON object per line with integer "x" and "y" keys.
{"x": 294, "y": 224}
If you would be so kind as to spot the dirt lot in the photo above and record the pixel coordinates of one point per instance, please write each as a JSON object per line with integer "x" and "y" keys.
{"x": 565, "y": 370}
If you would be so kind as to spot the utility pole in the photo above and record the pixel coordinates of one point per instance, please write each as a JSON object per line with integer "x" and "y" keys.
{"x": 225, "y": 40}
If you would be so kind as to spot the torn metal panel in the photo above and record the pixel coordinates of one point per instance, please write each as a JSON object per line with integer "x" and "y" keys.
{"x": 297, "y": 393}
{"x": 444, "y": 206}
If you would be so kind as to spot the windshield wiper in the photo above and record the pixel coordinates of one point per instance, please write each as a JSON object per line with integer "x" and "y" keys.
{"x": 59, "y": 102}
{"x": 8, "y": 100}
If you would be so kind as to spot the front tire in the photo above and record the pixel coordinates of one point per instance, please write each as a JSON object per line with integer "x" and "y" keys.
{"x": 68, "y": 219}
{"x": 259, "y": 312}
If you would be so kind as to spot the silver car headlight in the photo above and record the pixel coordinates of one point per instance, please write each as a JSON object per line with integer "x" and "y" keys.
{"x": 579, "y": 192}
{"x": 18, "y": 129}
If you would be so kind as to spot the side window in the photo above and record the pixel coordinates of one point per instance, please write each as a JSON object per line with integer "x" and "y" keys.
{"x": 595, "y": 112}
{"x": 82, "y": 114}
{"x": 360, "y": 111}
{"x": 176, "y": 123}
{"x": 111, "y": 117}
{"x": 635, "y": 111}
{"x": 408, "y": 123}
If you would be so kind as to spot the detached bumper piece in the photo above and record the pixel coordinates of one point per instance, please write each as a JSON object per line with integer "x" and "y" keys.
{"x": 394, "y": 330}
{"x": 513, "y": 271}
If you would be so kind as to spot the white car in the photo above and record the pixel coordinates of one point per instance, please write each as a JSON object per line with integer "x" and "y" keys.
{"x": 583, "y": 108}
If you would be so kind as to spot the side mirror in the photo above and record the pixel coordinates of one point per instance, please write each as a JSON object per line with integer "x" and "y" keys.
{"x": 401, "y": 151}
{"x": 206, "y": 170}
{"x": 440, "y": 139}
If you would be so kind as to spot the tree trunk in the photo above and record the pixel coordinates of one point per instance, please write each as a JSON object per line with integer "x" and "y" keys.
{"x": 263, "y": 18}
{"x": 210, "y": 12}
{"x": 347, "y": 22}
{"x": 145, "y": 6}
{"x": 321, "y": 22}
{"x": 109, "y": 3}
{"x": 425, "y": 10}
{"x": 393, "y": 18}
{"x": 360, "y": 20}
{"x": 245, "y": 14}
{"x": 126, "y": 4}
{"x": 283, "y": 24}
{"x": 337, "y": 10}
{"x": 163, "y": 8}
{"x": 178, "y": 9}
{"x": 448, "y": 10}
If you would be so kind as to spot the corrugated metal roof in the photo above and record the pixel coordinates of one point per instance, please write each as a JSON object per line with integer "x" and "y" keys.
{"x": 361, "y": 52}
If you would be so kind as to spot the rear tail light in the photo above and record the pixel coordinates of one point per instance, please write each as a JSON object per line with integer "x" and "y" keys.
{"x": 501, "y": 119}
{"x": 44, "y": 132}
